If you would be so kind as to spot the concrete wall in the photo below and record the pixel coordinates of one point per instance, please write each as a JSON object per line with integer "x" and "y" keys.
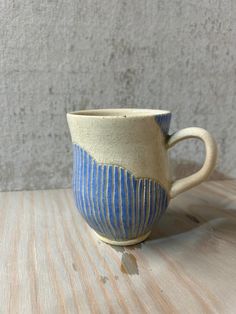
{"x": 57, "y": 56}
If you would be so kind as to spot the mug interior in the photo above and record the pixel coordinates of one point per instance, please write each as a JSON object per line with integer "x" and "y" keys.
{"x": 123, "y": 112}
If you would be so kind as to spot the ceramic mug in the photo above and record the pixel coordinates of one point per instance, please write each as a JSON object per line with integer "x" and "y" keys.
{"x": 121, "y": 179}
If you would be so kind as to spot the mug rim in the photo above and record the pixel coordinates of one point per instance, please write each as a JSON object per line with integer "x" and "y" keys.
{"x": 114, "y": 113}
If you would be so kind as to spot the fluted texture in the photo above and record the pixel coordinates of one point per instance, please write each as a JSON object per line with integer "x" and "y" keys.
{"x": 113, "y": 202}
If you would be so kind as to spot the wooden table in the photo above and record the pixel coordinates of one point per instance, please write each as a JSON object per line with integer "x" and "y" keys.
{"x": 50, "y": 261}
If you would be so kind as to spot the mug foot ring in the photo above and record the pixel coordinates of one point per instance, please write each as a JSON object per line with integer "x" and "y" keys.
{"x": 124, "y": 243}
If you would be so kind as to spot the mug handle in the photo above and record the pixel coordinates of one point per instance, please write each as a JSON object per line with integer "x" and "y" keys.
{"x": 187, "y": 183}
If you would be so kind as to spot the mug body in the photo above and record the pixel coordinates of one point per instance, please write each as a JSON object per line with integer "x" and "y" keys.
{"x": 120, "y": 170}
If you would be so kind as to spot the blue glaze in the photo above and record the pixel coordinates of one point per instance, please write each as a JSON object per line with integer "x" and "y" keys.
{"x": 163, "y": 120}
{"x": 130, "y": 204}
{"x": 114, "y": 203}
{"x": 124, "y": 205}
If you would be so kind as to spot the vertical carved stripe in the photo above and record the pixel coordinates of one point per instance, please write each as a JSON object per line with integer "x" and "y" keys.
{"x": 91, "y": 193}
{"x": 121, "y": 218}
{"x": 137, "y": 207}
{"x": 123, "y": 201}
{"x": 126, "y": 202}
{"x": 155, "y": 211}
{"x": 141, "y": 196}
{"x": 101, "y": 195}
{"x": 96, "y": 183}
{"x": 151, "y": 204}
{"x": 113, "y": 201}
{"x": 82, "y": 183}
{"x": 144, "y": 214}
{"x": 77, "y": 178}
{"x": 160, "y": 201}
{"x": 90, "y": 190}
{"x": 75, "y": 174}
{"x": 148, "y": 203}
{"x": 104, "y": 198}
{"x": 91, "y": 187}
{"x": 145, "y": 204}
{"x": 142, "y": 202}
{"x": 87, "y": 192}
{"x": 153, "y": 208}
{"x": 139, "y": 204}
{"x": 148, "y": 210}
{"x": 156, "y": 202}
{"x": 132, "y": 205}
{"x": 130, "y": 202}
{"x": 85, "y": 188}
{"x": 134, "y": 201}
{"x": 109, "y": 198}
{"x": 116, "y": 200}
{"x": 164, "y": 201}
{"x": 96, "y": 194}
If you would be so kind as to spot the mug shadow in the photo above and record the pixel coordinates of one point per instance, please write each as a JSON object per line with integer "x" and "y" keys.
{"x": 197, "y": 232}
{"x": 204, "y": 219}
{"x": 200, "y": 213}
{"x": 186, "y": 213}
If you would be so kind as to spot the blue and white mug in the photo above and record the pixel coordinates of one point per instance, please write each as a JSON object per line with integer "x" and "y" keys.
{"x": 121, "y": 179}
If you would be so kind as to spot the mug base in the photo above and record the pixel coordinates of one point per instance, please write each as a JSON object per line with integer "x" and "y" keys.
{"x": 124, "y": 243}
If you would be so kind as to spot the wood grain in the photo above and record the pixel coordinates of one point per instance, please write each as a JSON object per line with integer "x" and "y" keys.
{"x": 51, "y": 262}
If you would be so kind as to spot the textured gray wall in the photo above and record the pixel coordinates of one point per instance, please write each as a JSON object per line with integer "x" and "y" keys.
{"x": 57, "y": 56}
